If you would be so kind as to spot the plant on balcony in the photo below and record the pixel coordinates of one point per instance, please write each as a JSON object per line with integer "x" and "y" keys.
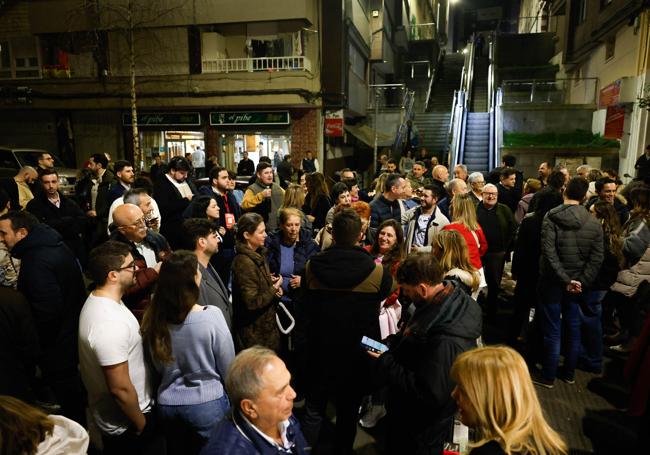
{"x": 573, "y": 139}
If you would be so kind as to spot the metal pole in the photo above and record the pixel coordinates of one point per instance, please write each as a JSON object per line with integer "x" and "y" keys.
{"x": 375, "y": 125}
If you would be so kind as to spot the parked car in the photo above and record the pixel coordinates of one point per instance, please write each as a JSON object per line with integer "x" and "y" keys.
{"x": 13, "y": 158}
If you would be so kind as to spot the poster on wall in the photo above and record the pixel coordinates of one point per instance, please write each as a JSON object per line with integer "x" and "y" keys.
{"x": 334, "y": 123}
{"x": 614, "y": 122}
{"x": 610, "y": 95}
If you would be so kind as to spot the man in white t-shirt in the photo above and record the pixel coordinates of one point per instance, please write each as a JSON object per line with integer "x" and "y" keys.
{"x": 111, "y": 357}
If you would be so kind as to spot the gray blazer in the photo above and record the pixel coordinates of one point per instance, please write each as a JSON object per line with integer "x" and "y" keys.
{"x": 213, "y": 292}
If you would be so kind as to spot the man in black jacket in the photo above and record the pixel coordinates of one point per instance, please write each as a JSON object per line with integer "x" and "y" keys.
{"x": 343, "y": 289}
{"x": 446, "y": 322}
{"x": 572, "y": 253}
{"x": 51, "y": 281}
{"x": 387, "y": 205}
{"x": 173, "y": 194}
{"x": 60, "y": 213}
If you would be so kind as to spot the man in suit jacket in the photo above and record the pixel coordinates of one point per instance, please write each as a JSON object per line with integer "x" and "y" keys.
{"x": 202, "y": 237}
{"x": 173, "y": 194}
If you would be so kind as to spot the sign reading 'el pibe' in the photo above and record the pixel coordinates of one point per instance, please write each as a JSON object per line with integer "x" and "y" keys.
{"x": 249, "y": 118}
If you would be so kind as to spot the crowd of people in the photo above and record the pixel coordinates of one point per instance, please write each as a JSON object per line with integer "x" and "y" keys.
{"x": 204, "y": 313}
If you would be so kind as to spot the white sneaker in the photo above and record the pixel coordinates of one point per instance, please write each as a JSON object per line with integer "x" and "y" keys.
{"x": 372, "y": 416}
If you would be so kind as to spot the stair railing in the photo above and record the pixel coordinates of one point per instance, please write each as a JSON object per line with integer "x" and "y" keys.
{"x": 407, "y": 107}
{"x": 492, "y": 108}
{"x": 433, "y": 77}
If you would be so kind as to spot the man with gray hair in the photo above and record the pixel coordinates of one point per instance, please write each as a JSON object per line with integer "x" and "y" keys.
{"x": 460, "y": 172}
{"x": 141, "y": 198}
{"x": 261, "y": 420}
{"x": 583, "y": 171}
{"x": 454, "y": 187}
{"x": 476, "y": 182}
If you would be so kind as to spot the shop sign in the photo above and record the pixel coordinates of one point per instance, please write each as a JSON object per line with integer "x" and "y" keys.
{"x": 610, "y": 95}
{"x": 614, "y": 122}
{"x": 334, "y": 123}
{"x": 164, "y": 119}
{"x": 249, "y": 118}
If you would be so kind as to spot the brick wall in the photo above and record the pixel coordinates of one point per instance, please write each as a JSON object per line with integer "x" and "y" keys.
{"x": 304, "y": 133}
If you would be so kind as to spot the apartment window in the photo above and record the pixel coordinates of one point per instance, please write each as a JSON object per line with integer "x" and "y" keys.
{"x": 357, "y": 62}
{"x": 19, "y": 58}
{"x": 582, "y": 11}
{"x": 610, "y": 47}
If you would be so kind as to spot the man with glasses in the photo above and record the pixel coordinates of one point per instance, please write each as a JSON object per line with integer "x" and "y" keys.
{"x": 45, "y": 161}
{"x": 148, "y": 249}
{"x": 111, "y": 357}
{"x": 476, "y": 182}
{"x": 499, "y": 226}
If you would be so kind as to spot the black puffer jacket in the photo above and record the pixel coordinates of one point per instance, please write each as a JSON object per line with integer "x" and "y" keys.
{"x": 572, "y": 246}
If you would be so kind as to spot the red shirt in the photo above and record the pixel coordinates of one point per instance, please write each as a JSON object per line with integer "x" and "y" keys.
{"x": 475, "y": 251}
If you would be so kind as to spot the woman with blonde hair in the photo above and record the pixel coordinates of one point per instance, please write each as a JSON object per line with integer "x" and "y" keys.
{"x": 294, "y": 198}
{"x": 496, "y": 396}
{"x": 464, "y": 221}
{"x": 450, "y": 248}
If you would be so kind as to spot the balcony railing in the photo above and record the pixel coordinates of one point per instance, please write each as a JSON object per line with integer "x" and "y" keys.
{"x": 558, "y": 91}
{"x": 271, "y": 64}
{"x": 419, "y": 32}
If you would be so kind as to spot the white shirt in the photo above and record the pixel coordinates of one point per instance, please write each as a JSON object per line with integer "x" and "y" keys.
{"x": 282, "y": 426}
{"x": 109, "y": 334}
{"x": 148, "y": 254}
{"x": 198, "y": 158}
{"x": 155, "y": 211}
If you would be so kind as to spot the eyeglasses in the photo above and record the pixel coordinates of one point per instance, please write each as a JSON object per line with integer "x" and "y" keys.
{"x": 490, "y": 194}
{"x": 137, "y": 223}
{"x": 131, "y": 266}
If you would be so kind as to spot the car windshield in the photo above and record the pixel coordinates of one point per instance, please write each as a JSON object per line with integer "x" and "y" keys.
{"x": 30, "y": 158}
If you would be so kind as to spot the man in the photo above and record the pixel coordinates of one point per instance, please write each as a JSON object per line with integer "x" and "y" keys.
{"x": 61, "y": 213}
{"x": 340, "y": 195}
{"x": 387, "y": 205}
{"x": 125, "y": 178}
{"x": 285, "y": 170}
{"x": 440, "y": 176}
{"x": 572, "y": 253}
{"x": 446, "y": 322}
{"x": 642, "y": 166}
{"x": 202, "y": 238}
{"x": 198, "y": 162}
{"x": 45, "y": 161}
{"x": 416, "y": 176}
{"x": 342, "y": 288}
{"x": 554, "y": 186}
{"x": 245, "y": 166}
{"x": 508, "y": 194}
{"x": 347, "y": 173}
{"x": 454, "y": 187}
{"x": 422, "y": 224}
{"x": 264, "y": 196}
{"x": 141, "y": 198}
{"x": 583, "y": 171}
{"x": 173, "y": 194}
{"x": 382, "y": 165}
{"x": 476, "y": 183}
{"x": 391, "y": 166}
{"x": 408, "y": 199}
{"x": 157, "y": 168}
{"x": 112, "y": 359}
{"x": 544, "y": 171}
{"x": 148, "y": 249}
{"x": 499, "y": 226}
{"x": 460, "y": 172}
{"x": 508, "y": 161}
{"x": 51, "y": 281}
{"x": 309, "y": 163}
{"x": 229, "y": 213}
{"x": 606, "y": 191}
{"x": 261, "y": 420}
{"x": 564, "y": 170}
{"x": 19, "y": 187}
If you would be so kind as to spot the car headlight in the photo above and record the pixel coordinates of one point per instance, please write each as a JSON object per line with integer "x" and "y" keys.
{"x": 63, "y": 180}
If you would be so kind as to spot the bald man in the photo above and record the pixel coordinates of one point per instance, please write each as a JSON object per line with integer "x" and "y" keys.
{"x": 148, "y": 249}
{"x": 19, "y": 187}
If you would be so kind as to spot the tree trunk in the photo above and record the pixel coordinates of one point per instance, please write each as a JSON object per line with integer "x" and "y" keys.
{"x": 137, "y": 152}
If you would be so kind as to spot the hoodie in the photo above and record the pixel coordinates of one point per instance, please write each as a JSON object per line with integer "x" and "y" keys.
{"x": 572, "y": 246}
{"x": 344, "y": 289}
{"x": 50, "y": 278}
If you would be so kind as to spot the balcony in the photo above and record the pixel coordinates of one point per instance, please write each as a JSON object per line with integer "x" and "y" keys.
{"x": 250, "y": 65}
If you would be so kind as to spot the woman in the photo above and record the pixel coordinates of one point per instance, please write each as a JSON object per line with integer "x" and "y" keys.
{"x": 591, "y": 356}
{"x": 203, "y": 206}
{"x": 324, "y": 236}
{"x": 294, "y": 197}
{"x": 495, "y": 396}
{"x": 636, "y": 252}
{"x": 406, "y": 162}
{"x": 26, "y": 430}
{"x": 464, "y": 221}
{"x": 317, "y": 201}
{"x": 191, "y": 349}
{"x": 451, "y": 250}
{"x": 254, "y": 290}
{"x": 531, "y": 187}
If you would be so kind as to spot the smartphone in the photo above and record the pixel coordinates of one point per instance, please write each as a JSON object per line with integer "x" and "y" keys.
{"x": 373, "y": 346}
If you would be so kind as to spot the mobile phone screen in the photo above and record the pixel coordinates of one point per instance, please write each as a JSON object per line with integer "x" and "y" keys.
{"x": 373, "y": 345}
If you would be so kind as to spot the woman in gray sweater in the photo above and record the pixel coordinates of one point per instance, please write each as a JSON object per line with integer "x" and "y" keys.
{"x": 191, "y": 349}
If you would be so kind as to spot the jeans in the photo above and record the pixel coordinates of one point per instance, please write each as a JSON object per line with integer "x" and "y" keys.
{"x": 591, "y": 355}
{"x": 190, "y": 425}
{"x": 556, "y": 302}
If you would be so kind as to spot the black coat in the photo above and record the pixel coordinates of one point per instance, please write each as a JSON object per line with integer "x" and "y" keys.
{"x": 171, "y": 205}
{"x": 50, "y": 279}
{"x": 19, "y": 348}
{"x": 68, "y": 220}
{"x": 246, "y": 167}
{"x": 233, "y": 207}
{"x": 417, "y": 365}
